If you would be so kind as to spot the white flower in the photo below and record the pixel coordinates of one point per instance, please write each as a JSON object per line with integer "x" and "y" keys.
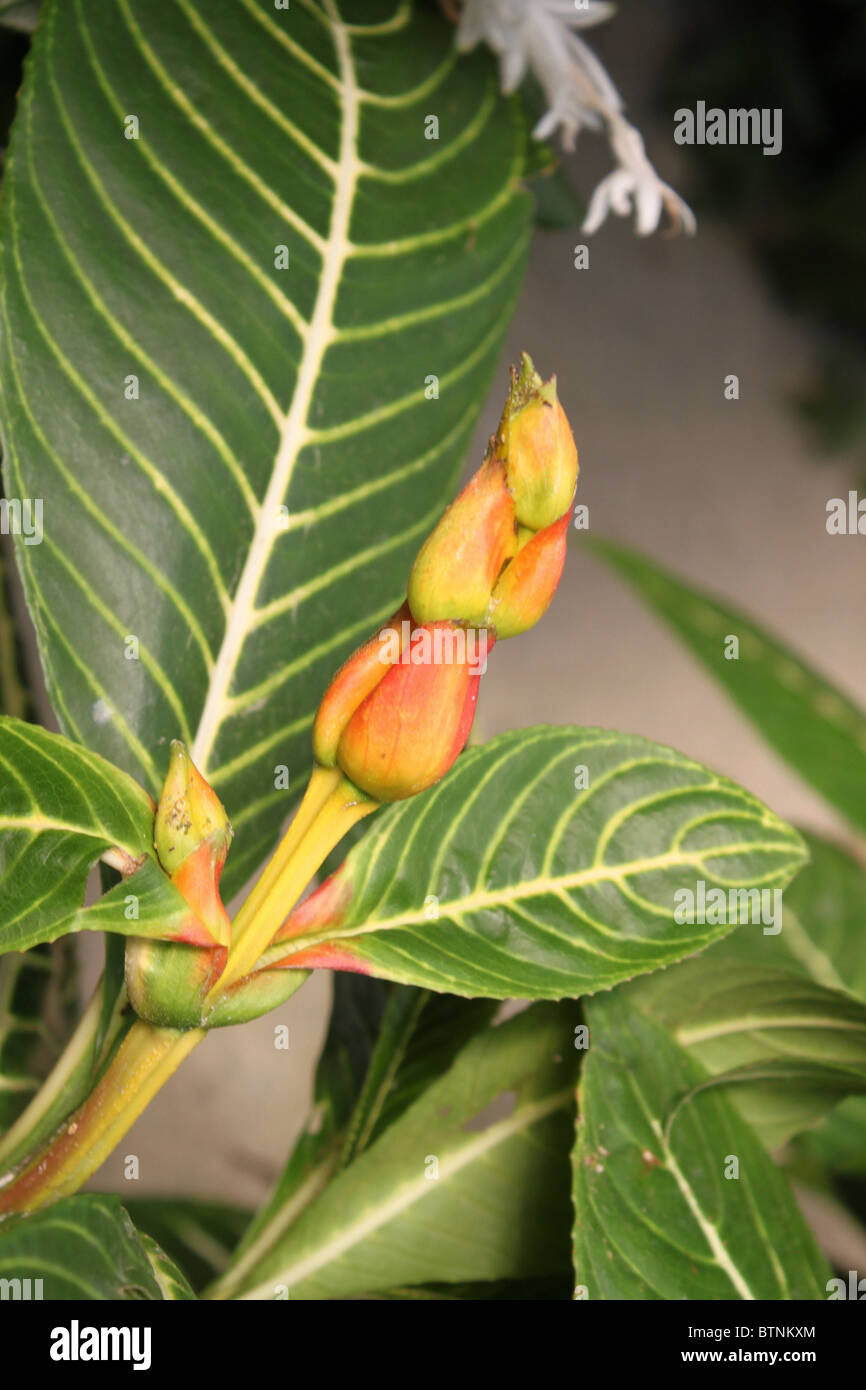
{"x": 635, "y": 183}
{"x": 537, "y": 36}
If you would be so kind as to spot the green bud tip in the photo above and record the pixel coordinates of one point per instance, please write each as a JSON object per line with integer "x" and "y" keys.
{"x": 189, "y": 812}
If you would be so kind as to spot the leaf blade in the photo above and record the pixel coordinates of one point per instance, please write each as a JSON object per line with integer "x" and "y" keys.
{"x": 385, "y": 1046}
{"x": 364, "y": 1232}
{"x": 814, "y": 726}
{"x": 86, "y": 1247}
{"x": 62, "y": 808}
{"x": 572, "y": 891}
{"x": 656, "y": 1218}
{"x": 786, "y": 1050}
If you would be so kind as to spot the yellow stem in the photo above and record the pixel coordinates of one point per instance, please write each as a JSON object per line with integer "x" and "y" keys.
{"x": 330, "y": 807}
{"x": 49, "y": 1093}
{"x": 322, "y": 783}
{"x": 145, "y": 1060}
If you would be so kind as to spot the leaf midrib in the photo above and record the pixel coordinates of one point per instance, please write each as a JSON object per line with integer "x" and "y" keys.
{"x": 479, "y": 901}
{"x": 294, "y": 431}
{"x": 449, "y": 1166}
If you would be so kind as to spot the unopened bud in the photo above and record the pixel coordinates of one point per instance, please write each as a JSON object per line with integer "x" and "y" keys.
{"x": 402, "y": 735}
{"x": 539, "y": 450}
{"x": 189, "y": 812}
{"x": 167, "y": 983}
{"x": 192, "y": 834}
{"x": 392, "y": 721}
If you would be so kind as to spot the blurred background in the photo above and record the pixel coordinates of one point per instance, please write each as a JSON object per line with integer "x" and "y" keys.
{"x": 729, "y": 494}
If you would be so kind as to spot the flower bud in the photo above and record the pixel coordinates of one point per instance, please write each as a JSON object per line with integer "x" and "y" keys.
{"x": 168, "y": 987}
{"x": 189, "y": 812}
{"x": 406, "y": 731}
{"x": 538, "y": 448}
{"x": 456, "y": 568}
{"x": 192, "y": 835}
{"x": 256, "y": 994}
{"x": 392, "y": 720}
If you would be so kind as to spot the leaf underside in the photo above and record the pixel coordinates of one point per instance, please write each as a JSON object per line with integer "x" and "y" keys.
{"x": 483, "y": 1151}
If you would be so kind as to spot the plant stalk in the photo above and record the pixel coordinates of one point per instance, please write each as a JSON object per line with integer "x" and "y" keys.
{"x": 145, "y": 1060}
{"x": 331, "y": 806}
{"x": 149, "y": 1055}
{"x": 65, "y": 1084}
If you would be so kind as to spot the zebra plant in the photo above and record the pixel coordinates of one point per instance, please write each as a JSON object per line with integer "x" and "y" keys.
{"x": 257, "y": 267}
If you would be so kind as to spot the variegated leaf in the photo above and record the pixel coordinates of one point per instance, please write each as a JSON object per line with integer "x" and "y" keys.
{"x": 250, "y": 315}
{"x": 61, "y": 809}
{"x": 545, "y": 865}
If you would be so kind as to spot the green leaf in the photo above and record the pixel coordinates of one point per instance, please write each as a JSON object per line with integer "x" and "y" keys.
{"x": 260, "y": 388}
{"x": 536, "y": 889}
{"x": 484, "y": 1291}
{"x": 387, "y": 1221}
{"x": 821, "y": 940}
{"x": 656, "y": 1218}
{"x": 825, "y": 914}
{"x": 840, "y": 1142}
{"x": 198, "y": 1237}
{"x": 816, "y": 728}
{"x": 822, "y": 935}
{"x": 86, "y": 1247}
{"x": 419, "y": 1037}
{"x": 356, "y": 1018}
{"x": 785, "y": 1049}
{"x": 61, "y": 808}
{"x": 172, "y": 1284}
{"x": 37, "y": 998}
{"x": 357, "y": 1010}
{"x": 14, "y": 696}
{"x": 385, "y": 1045}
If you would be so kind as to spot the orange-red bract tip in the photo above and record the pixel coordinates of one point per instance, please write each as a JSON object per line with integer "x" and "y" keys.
{"x": 529, "y": 581}
{"x": 191, "y": 835}
{"x": 354, "y": 681}
{"x": 197, "y": 880}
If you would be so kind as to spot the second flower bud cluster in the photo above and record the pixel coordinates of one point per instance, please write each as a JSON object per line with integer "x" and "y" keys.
{"x": 487, "y": 572}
